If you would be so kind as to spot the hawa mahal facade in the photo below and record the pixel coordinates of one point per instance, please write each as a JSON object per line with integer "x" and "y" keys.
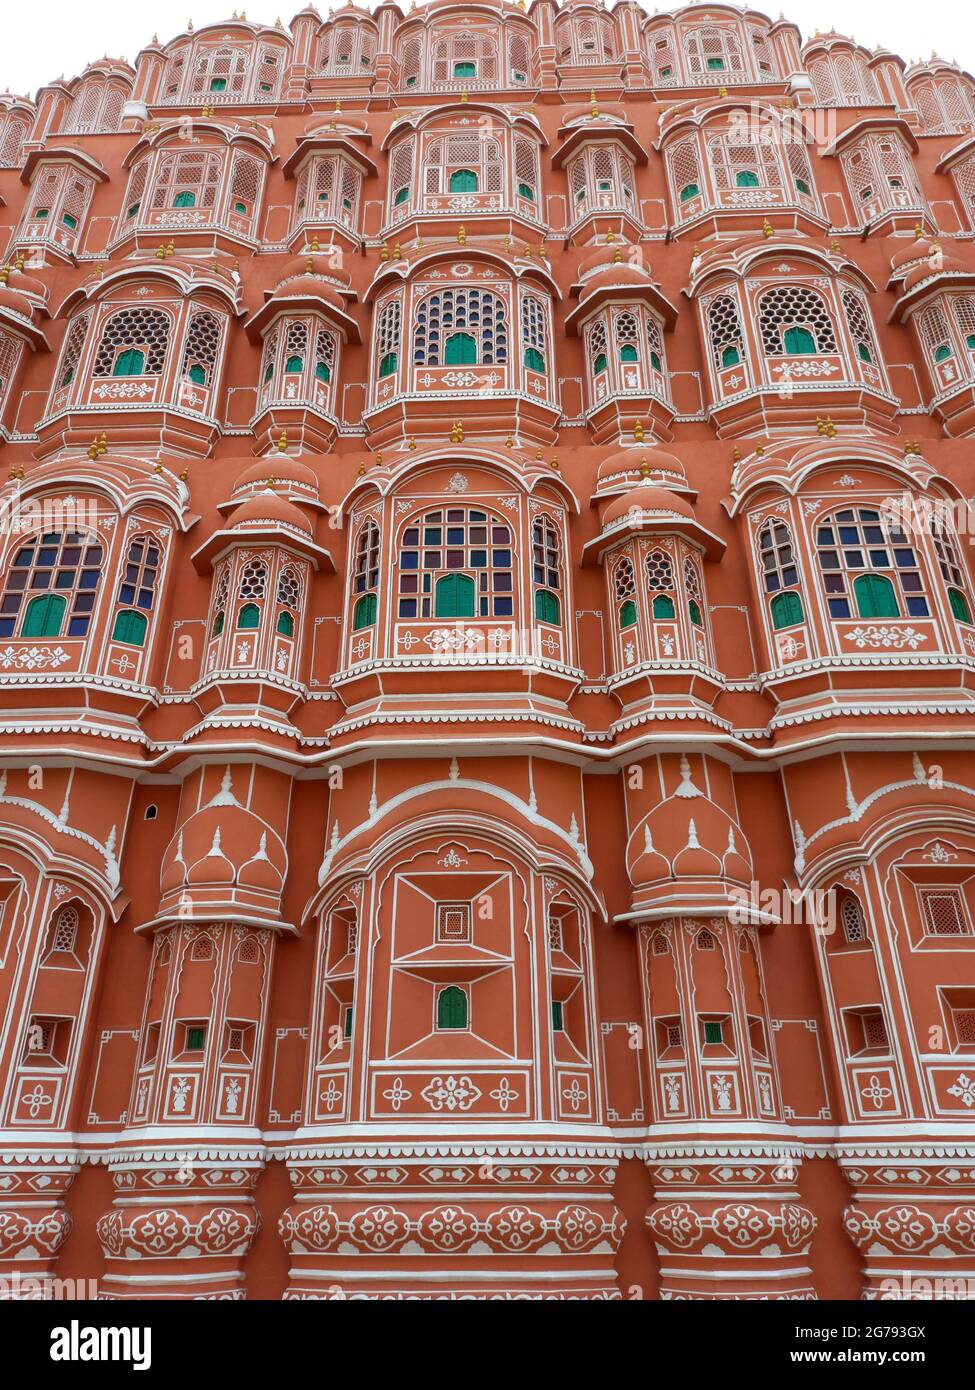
{"x": 487, "y": 800}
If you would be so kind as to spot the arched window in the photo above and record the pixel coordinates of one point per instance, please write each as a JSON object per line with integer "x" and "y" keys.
{"x": 545, "y": 569}
{"x": 73, "y": 345}
{"x": 288, "y": 601}
{"x": 596, "y": 343}
{"x": 533, "y": 332}
{"x": 694, "y": 591}
{"x": 137, "y": 588}
{"x": 659, "y": 573}
{"x": 463, "y": 181}
{"x": 52, "y": 576}
{"x": 388, "y": 338}
{"x": 452, "y": 1008}
{"x": 794, "y": 321}
{"x": 856, "y": 545}
{"x": 479, "y": 313}
{"x": 187, "y": 180}
{"x": 858, "y": 321}
{"x": 133, "y": 343}
{"x": 951, "y": 571}
{"x": 202, "y": 345}
{"x": 724, "y": 331}
{"x": 853, "y": 921}
{"x": 460, "y": 350}
{"x": 220, "y": 595}
{"x": 963, "y": 308}
{"x": 251, "y": 589}
{"x": 786, "y": 610}
{"x": 365, "y": 577}
{"x": 456, "y": 544}
{"x": 624, "y": 588}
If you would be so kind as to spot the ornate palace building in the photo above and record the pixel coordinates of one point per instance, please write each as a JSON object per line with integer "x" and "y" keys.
{"x": 487, "y": 662}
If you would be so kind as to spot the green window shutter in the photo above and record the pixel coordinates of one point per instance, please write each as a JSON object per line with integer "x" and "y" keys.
{"x": 713, "y": 1032}
{"x": 628, "y": 353}
{"x": 218, "y": 84}
{"x": 463, "y": 181}
{"x": 715, "y": 65}
{"x": 218, "y": 623}
{"x": 130, "y": 627}
{"x": 240, "y": 208}
{"x": 460, "y": 350}
{"x": 546, "y": 606}
{"x": 663, "y": 607}
{"x": 195, "y": 1039}
{"x": 786, "y": 610}
{"x": 132, "y": 362}
{"x": 364, "y": 613}
{"x": 389, "y": 364}
{"x": 69, "y": 221}
{"x": 401, "y": 196}
{"x": 799, "y": 342}
{"x": 525, "y": 192}
{"x": 249, "y": 616}
{"x": 731, "y": 357}
{"x": 655, "y": 362}
{"x": 746, "y": 178}
{"x": 627, "y": 613}
{"x": 184, "y": 200}
{"x": 558, "y": 1023}
{"x": 44, "y": 616}
{"x": 959, "y": 605}
{"x": 198, "y": 375}
{"x": 970, "y": 341}
{"x": 286, "y": 624}
{"x": 270, "y": 371}
{"x": 864, "y": 352}
{"x": 942, "y": 352}
{"x": 454, "y": 597}
{"x": 694, "y": 613}
{"x": 534, "y": 360}
{"x": 68, "y": 377}
{"x": 600, "y": 363}
{"x": 875, "y": 596}
{"x": 347, "y": 1022}
{"x": 295, "y": 364}
{"x": 802, "y": 186}
{"x": 465, "y": 70}
{"x": 689, "y": 191}
{"x": 322, "y": 373}
{"x": 452, "y": 1008}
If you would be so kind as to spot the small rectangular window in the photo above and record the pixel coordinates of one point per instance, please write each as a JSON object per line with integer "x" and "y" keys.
{"x": 713, "y": 1031}
{"x": 195, "y": 1038}
{"x": 347, "y": 1021}
{"x": 558, "y": 1025}
{"x": 453, "y": 922}
{"x": 943, "y": 912}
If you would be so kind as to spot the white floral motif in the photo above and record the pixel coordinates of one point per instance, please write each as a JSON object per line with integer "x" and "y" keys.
{"x": 451, "y": 1093}
{"x": 397, "y": 1094}
{"x": 964, "y": 1090}
{"x": 30, "y": 658}
{"x": 886, "y": 637}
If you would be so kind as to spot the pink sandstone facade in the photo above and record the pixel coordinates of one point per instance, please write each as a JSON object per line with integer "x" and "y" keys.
{"x": 487, "y": 800}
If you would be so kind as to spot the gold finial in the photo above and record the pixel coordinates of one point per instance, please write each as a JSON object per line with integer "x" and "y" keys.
{"x": 638, "y": 432}
{"x": 384, "y": 252}
{"x": 617, "y": 255}
{"x": 462, "y": 235}
{"x": 184, "y": 476}
{"x": 722, "y": 91}
{"x": 314, "y": 243}
{"x": 834, "y": 246}
{"x": 911, "y": 447}
{"x": 527, "y": 251}
{"x": 189, "y": 26}
{"x": 736, "y": 454}
{"x": 170, "y": 250}
{"x": 538, "y": 455}
{"x": 411, "y": 444}
{"x": 554, "y": 464}
{"x": 759, "y": 450}
{"x": 457, "y": 433}
{"x": 541, "y": 251}
{"x": 4, "y": 275}
{"x": 338, "y": 107}
{"x": 379, "y": 459}
{"x": 160, "y": 253}
{"x": 158, "y": 468}
{"x": 361, "y": 469}
{"x": 465, "y": 95}
{"x": 509, "y": 443}
{"x": 767, "y": 229}
{"x": 309, "y": 265}
{"x": 283, "y": 442}
{"x": 696, "y": 255}
{"x": 397, "y": 252}
{"x": 644, "y": 468}
{"x": 594, "y": 108}
{"x": 918, "y": 232}
{"x": 19, "y": 261}
{"x": 610, "y": 238}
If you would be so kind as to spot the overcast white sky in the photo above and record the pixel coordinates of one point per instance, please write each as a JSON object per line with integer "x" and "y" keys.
{"x": 42, "y": 39}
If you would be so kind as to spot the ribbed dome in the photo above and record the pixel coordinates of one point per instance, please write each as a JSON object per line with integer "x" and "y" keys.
{"x": 613, "y": 253}
{"x": 318, "y": 267}
{"x": 647, "y": 498}
{"x": 631, "y": 467}
{"x": 283, "y": 469}
{"x": 920, "y": 249}
{"x": 267, "y": 506}
{"x": 687, "y": 835}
